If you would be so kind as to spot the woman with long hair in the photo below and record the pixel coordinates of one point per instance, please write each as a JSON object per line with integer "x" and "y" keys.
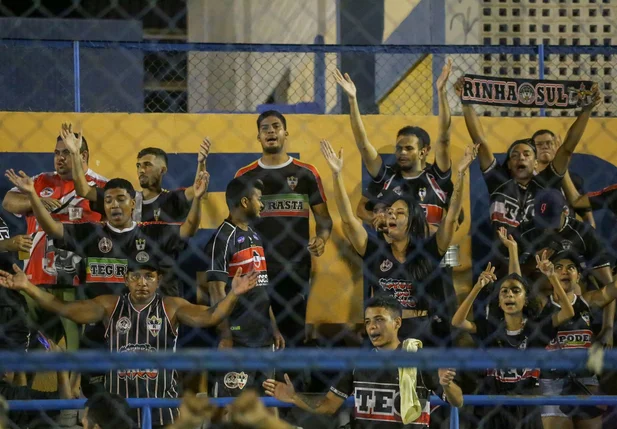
{"x": 572, "y": 334}
{"x": 513, "y": 328}
{"x": 405, "y": 264}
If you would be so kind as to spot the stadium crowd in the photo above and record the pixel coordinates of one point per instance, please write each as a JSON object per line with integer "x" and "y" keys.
{"x": 100, "y": 271}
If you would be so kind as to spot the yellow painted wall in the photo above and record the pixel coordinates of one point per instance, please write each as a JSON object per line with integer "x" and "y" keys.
{"x": 114, "y": 140}
{"x": 413, "y": 94}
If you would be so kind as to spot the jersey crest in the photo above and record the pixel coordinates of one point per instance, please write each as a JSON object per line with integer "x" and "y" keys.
{"x": 154, "y": 325}
{"x": 105, "y": 245}
{"x": 292, "y": 182}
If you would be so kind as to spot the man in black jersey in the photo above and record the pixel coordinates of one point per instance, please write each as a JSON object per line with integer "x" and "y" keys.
{"x": 377, "y": 393}
{"x": 431, "y": 185}
{"x": 152, "y": 203}
{"x": 235, "y": 245}
{"x": 291, "y": 187}
{"x": 513, "y": 185}
{"x": 142, "y": 320}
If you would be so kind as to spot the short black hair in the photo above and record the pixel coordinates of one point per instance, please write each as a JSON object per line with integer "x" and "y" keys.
{"x": 540, "y": 132}
{"x": 120, "y": 183}
{"x": 423, "y": 138}
{"x": 159, "y": 153}
{"x": 109, "y": 411}
{"x": 269, "y": 113}
{"x": 241, "y": 187}
{"x": 385, "y": 301}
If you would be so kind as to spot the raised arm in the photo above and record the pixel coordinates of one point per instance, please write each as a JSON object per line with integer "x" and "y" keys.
{"x": 476, "y": 132}
{"x": 285, "y": 392}
{"x": 202, "y": 156}
{"x": 567, "y": 311}
{"x": 357, "y": 235}
{"x": 191, "y": 223}
{"x": 514, "y": 267}
{"x": 372, "y": 160}
{"x": 459, "y": 320}
{"x": 25, "y": 184}
{"x": 73, "y": 144}
{"x": 200, "y": 316}
{"x": 82, "y": 312}
{"x": 442, "y": 146}
{"x": 448, "y": 225}
{"x": 575, "y": 199}
{"x": 565, "y": 151}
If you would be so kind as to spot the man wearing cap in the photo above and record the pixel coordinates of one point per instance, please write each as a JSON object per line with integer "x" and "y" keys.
{"x": 554, "y": 230}
{"x": 142, "y": 320}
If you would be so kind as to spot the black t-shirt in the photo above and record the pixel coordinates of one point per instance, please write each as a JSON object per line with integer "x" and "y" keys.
{"x": 576, "y": 333}
{"x": 605, "y": 198}
{"x": 377, "y": 398}
{"x": 290, "y": 189}
{"x": 432, "y": 188}
{"x": 577, "y": 237}
{"x": 410, "y": 282}
{"x": 168, "y": 206}
{"x": 106, "y": 251}
{"x": 27, "y": 419}
{"x": 229, "y": 249}
{"x": 512, "y": 203}
{"x": 511, "y": 381}
{"x": 7, "y": 259}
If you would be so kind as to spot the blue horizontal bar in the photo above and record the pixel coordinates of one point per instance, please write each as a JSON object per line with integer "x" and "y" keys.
{"x": 481, "y": 400}
{"x": 330, "y": 359}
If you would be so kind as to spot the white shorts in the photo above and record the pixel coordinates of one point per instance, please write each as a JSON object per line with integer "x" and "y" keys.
{"x": 554, "y": 387}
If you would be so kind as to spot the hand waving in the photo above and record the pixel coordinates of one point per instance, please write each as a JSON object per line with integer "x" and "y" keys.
{"x": 335, "y": 162}
{"x": 471, "y": 152}
{"x": 346, "y": 83}
{"x": 487, "y": 276}
{"x": 72, "y": 143}
{"x": 507, "y": 239}
{"x": 596, "y": 98}
{"x": 442, "y": 80}
{"x": 204, "y": 150}
{"x": 22, "y": 181}
{"x": 545, "y": 266}
{"x": 242, "y": 284}
{"x": 201, "y": 184}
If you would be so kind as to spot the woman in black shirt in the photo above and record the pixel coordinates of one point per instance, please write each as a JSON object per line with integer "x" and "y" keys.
{"x": 405, "y": 263}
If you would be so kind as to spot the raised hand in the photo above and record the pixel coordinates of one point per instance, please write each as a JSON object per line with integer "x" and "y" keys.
{"x": 242, "y": 284}
{"x": 72, "y": 143}
{"x": 22, "y": 181}
{"x": 19, "y": 243}
{"x": 596, "y": 98}
{"x": 442, "y": 80}
{"x": 507, "y": 239}
{"x": 487, "y": 276}
{"x": 458, "y": 86}
{"x": 282, "y": 391}
{"x": 446, "y": 376}
{"x": 335, "y": 162}
{"x": 545, "y": 266}
{"x": 17, "y": 281}
{"x": 204, "y": 150}
{"x": 471, "y": 152}
{"x": 346, "y": 83}
{"x": 201, "y": 184}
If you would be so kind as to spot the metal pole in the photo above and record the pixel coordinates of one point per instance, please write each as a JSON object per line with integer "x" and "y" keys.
{"x": 320, "y": 76}
{"x": 541, "y": 70}
{"x": 76, "y": 77}
{"x": 454, "y": 418}
{"x": 146, "y": 418}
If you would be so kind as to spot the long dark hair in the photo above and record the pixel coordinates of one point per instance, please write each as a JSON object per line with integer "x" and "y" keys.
{"x": 532, "y": 307}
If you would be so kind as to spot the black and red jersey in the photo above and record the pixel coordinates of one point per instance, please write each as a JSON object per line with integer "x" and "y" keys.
{"x": 431, "y": 188}
{"x": 228, "y": 250}
{"x": 168, "y": 206}
{"x": 106, "y": 250}
{"x": 605, "y": 198}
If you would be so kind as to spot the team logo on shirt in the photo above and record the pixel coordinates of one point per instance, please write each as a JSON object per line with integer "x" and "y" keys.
{"x": 157, "y": 214}
{"x": 142, "y": 257}
{"x": 235, "y": 380}
{"x": 241, "y": 239}
{"x": 386, "y": 265}
{"x": 105, "y": 245}
{"x": 154, "y": 325}
{"x": 292, "y": 181}
{"x": 140, "y": 243}
{"x": 422, "y": 194}
{"x": 566, "y": 244}
{"x": 585, "y": 317}
{"x": 397, "y": 190}
{"x": 123, "y": 325}
{"x": 256, "y": 259}
{"x": 47, "y": 192}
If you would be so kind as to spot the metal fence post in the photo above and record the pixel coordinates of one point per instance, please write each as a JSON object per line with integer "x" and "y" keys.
{"x": 541, "y": 70}
{"x": 146, "y": 418}
{"x": 454, "y": 418}
{"x": 320, "y": 76}
{"x": 76, "y": 77}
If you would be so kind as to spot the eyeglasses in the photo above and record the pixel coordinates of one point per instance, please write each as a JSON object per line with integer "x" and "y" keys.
{"x": 149, "y": 277}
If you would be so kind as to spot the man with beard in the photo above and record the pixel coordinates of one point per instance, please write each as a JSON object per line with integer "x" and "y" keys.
{"x": 235, "y": 245}
{"x": 547, "y": 144}
{"x": 290, "y": 188}
{"x": 55, "y": 269}
{"x": 431, "y": 185}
